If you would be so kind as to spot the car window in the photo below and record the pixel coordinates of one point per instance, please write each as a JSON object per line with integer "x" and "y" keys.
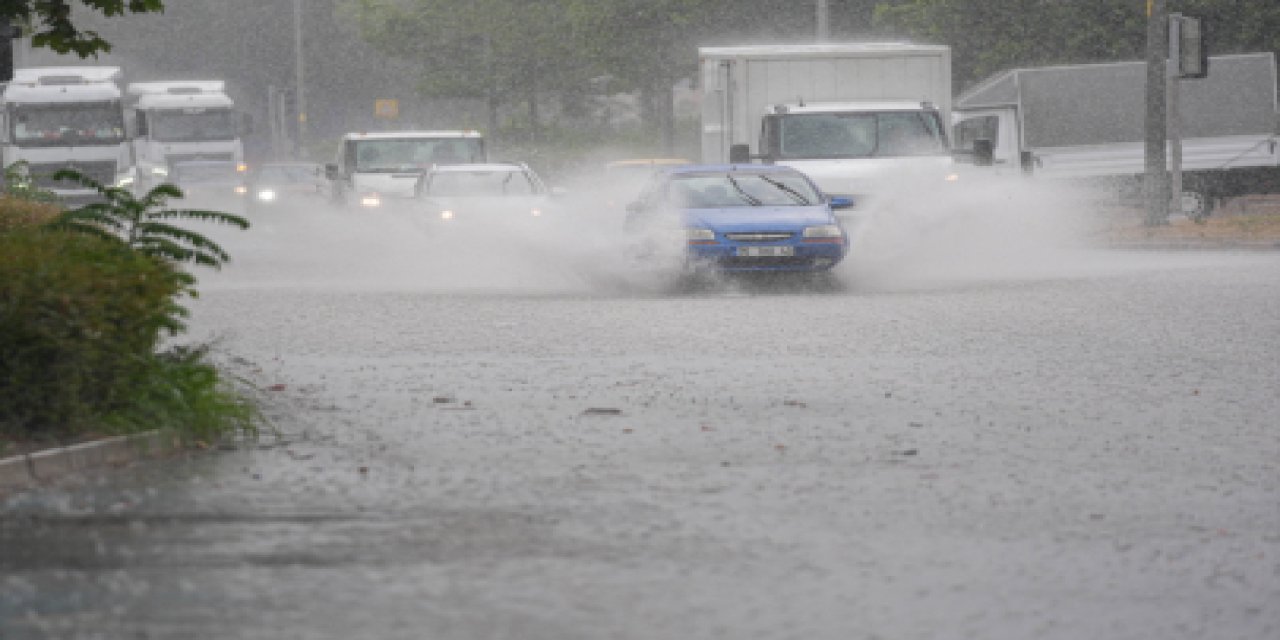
{"x": 740, "y": 189}
{"x": 480, "y": 183}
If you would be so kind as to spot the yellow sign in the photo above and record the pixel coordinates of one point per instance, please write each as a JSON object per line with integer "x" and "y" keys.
{"x": 386, "y": 108}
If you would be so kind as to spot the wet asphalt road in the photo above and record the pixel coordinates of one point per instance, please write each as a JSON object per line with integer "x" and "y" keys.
{"x": 1086, "y": 446}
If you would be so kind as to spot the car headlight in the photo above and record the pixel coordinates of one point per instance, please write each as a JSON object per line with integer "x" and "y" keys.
{"x": 535, "y": 212}
{"x": 370, "y": 200}
{"x": 446, "y": 215}
{"x": 240, "y": 189}
{"x": 700, "y": 236}
{"x": 823, "y": 231}
{"x": 824, "y": 234}
{"x": 267, "y": 195}
{"x": 160, "y": 172}
{"x": 124, "y": 182}
{"x": 952, "y": 177}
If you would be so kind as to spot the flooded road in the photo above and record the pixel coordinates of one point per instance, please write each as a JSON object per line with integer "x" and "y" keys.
{"x": 518, "y": 437}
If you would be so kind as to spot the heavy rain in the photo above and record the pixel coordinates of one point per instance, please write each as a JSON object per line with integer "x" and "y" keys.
{"x": 650, "y": 319}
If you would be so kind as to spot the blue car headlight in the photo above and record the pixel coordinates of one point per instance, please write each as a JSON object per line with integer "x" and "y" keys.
{"x": 824, "y": 234}
{"x": 700, "y": 236}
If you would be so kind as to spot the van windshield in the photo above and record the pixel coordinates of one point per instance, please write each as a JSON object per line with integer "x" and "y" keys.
{"x": 860, "y": 135}
{"x": 411, "y": 154}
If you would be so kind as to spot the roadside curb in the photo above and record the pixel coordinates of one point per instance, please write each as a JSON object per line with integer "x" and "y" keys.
{"x": 1195, "y": 245}
{"x": 29, "y": 470}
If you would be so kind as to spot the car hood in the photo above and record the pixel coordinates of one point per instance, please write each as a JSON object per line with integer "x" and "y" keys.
{"x": 388, "y": 184}
{"x": 496, "y": 205}
{"x": 758, "y": 218}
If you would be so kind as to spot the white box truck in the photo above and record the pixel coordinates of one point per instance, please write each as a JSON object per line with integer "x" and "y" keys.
{"x": 1086, "y": 122}
{"x": 66, "y": 117}
{"x": 850, "y": 116}
{"x": 183, "y": 121}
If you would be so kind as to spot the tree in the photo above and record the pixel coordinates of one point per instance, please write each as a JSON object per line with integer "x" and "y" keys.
{"x": 987, "y": 36}
{"x": 50, "y": 21}
{"x": 501, "y": 51}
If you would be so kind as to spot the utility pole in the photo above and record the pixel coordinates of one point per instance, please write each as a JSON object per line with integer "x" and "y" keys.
{"x": 300, "y": 93}
{"x": 8, "y": 33}
{"x": 1156, "y": 178}
{"x": 823, "y": 20}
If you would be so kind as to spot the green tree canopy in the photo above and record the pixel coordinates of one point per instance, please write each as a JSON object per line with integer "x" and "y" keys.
{"x": 50, "y": 21}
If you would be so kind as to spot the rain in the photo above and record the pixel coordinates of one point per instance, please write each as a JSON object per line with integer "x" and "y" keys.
{"x": 496, "y": 403}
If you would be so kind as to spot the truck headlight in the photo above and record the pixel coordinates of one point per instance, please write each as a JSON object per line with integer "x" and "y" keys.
{"x": 267, "y": 195}
{"x": 370, "y": 200}
{"x": 447, "y": 214}
{"x": 160, "y": 172}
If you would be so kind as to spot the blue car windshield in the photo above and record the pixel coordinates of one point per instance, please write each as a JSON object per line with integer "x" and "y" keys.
{"x": 741, "y": 189}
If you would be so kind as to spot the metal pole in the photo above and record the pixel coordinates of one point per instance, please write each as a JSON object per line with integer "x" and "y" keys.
{"x": 1156, "y": 178}
{"x": 1175, "y": 112}
{"x": 299, "y": 84}
{"x": 823, "y": 19}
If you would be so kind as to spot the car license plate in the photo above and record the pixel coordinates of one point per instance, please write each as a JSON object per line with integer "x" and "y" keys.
{"x": 766, "y": 252}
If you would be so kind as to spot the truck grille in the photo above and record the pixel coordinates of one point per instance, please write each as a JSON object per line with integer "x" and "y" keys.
{"x": 104, "y": 171}
{"x": 198, "y": 157}
{"x": 771, "y": 236}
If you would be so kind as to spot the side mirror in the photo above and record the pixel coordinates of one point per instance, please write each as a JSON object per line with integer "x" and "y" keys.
{"x": 740, "y": 154}
{"x": 841, "y": 202}
{"x": 331, "y": 171}
{"x": 984, "y": 154}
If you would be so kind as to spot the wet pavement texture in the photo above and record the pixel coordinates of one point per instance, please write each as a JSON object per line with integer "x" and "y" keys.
{"x": 1082, "y": 446}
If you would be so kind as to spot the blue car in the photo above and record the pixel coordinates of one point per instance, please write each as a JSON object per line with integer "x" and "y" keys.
{"x": 740, "y": 218}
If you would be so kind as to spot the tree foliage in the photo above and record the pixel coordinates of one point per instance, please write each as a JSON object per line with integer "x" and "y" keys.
{"x": 51, "y": 25}
{"x": 988, "y": 36}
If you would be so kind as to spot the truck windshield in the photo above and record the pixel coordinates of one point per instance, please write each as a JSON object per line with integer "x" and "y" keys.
{"x": 178, "y": 125}
{"x": 409, "y": 154}
{"x": 60, "y": 125}
{"x": 860, "y": 135}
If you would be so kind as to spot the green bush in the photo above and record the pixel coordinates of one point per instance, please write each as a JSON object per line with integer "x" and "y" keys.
{"x": 80, "y": 319}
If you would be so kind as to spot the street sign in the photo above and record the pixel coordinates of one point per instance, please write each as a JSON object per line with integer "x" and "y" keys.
{"x": 389, "y": 109}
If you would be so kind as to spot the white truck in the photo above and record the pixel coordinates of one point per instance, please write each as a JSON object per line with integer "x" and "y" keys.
{"x": 851, "y": 116}
{"x": 1085, "y": 122}
{"x": 66, "y": 117}
{"x": 183, "y": 121}
{"x": 375, "y": 168}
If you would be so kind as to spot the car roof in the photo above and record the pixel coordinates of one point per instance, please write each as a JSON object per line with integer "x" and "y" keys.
{"x": 647, "y": 162}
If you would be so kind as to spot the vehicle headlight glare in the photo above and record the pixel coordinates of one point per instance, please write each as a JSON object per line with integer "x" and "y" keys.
{"x": 370, "y": 200}
{"x": 700, "y": 235}
{"x": 160, "y": 172}
{"x": 446, "y": 215}
{"x": 823, "y": 231}
{"x": 266, "y": 195}
{"x": 952, "y": 177}
{"x": 535, "y": 212}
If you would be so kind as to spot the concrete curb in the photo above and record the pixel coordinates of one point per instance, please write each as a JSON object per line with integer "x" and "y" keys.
{"x": 25, "y": 471}
{"x": 1194, "y": 245}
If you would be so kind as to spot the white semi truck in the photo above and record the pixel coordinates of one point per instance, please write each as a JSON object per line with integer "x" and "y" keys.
{"x": 854, "y": 117}
{"x": 376, "y": 168}
{"x": 183, "y": 121}
{"x": 1086, "y": 122}
{"x": 66, "y": 117}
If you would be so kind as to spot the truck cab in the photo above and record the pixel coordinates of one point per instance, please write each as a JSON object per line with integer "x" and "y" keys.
{"x": 66, "y": 117}
{"x": 183, "y": 121}
{"x": 846, "y": 147}
{"x": 372, "y": 169}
